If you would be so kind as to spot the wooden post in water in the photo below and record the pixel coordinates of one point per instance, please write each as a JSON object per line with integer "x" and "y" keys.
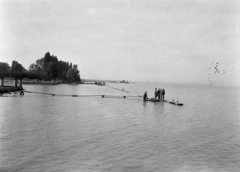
{"x": 2, "y": 82}
{"x": 15, "y": 83}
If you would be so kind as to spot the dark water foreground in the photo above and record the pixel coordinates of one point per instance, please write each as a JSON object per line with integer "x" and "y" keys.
{"x": 49, "y": 133}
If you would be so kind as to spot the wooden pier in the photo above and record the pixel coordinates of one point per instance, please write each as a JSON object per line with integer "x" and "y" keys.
{"x": 8, "y": 89}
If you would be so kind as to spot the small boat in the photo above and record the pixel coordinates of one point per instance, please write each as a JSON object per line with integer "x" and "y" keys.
{"x": 176, "y": 103}
{"x": 123, "y": 81}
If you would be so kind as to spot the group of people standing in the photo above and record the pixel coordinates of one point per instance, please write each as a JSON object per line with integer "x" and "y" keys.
{"x": 158, "y": 94}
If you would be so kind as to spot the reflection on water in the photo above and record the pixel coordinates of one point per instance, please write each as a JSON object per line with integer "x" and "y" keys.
{"x": 50, "y": 133}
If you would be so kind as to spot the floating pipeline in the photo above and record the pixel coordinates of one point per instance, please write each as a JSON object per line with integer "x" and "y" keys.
{"x": 75, "y": 95}
{"x": 108, "y": 96}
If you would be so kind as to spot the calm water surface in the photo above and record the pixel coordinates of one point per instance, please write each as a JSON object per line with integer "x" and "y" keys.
{"x": 79, "y": 134}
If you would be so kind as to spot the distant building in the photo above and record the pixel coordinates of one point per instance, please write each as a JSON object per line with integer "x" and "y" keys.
{"x": 100, "y": 83}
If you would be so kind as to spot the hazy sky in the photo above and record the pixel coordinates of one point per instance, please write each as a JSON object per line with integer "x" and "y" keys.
{"x": 141, "y": 40}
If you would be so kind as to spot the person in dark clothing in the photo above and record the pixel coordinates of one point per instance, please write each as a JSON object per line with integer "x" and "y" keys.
{"x": 145, "y": 97}
{"x": 163, "y": 93}
{"x": 21, "y": 93}
{"x": 158, "y": 93}
{"x": 155, "y": 93}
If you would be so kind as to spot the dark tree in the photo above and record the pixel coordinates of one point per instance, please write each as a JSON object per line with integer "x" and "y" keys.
{"x": 52, "y": 70}
{"x": 47, "y": 58}
{"x": 40, "y": 63}
{"x": 73, "y": 74}
{"x": 64, "y": 75}
{"x": 4, "y": 70}
{"x": 33, "y": 67}
{"x": 32, "y": 75}
{"x": 49, "y": 67}
{"x": 17, "y": 70}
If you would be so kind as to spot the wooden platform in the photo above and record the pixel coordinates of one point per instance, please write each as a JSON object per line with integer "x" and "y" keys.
{"x": 9, "y": 89}
{"x": 167, "y": 101}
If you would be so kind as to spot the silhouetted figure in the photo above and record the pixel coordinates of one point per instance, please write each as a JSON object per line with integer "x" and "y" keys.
{"x": 158, "y": 93}
{"x": 155, "y": 93}
{"x": 163, "y": 93}
{"x": 145, "y": 97}
{"x": 21, "y": 93}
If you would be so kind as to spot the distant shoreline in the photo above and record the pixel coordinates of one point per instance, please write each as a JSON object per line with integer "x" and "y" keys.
{"x": 24, "y": 82}
{"x": 40, "y": 83}
{"x": 58, "y": 82}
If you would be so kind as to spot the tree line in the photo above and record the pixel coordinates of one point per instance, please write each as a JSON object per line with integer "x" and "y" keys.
{"x": 47, "y": 68}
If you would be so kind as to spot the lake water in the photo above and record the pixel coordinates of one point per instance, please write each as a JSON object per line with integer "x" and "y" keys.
{"x": 93, "y": 134}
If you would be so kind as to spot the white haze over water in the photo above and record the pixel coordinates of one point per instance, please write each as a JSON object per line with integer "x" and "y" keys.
{"x": 145, "y": 40}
